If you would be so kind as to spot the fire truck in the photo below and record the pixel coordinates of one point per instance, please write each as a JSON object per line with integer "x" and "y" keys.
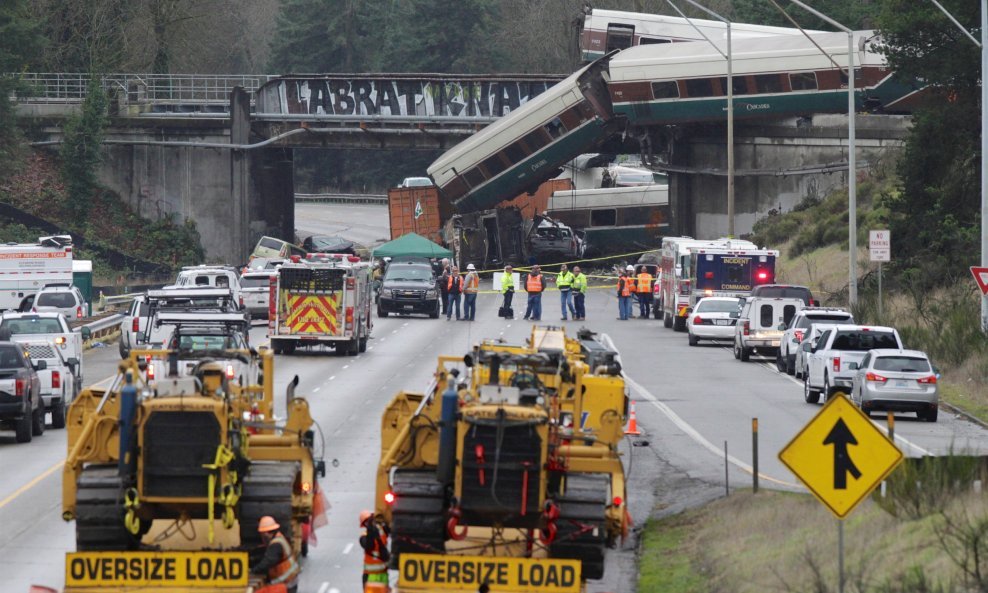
{"x": 324, "y": 299}
{"x": 26, "y": 268}
{"x": 693, "y": 269}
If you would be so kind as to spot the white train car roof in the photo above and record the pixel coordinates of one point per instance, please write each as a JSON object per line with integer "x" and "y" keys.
{"x": 679, "y": 29}
{"x": 504, "y": 130}
{"x": 611, "y": 197}
{"x": 750, "y": 56}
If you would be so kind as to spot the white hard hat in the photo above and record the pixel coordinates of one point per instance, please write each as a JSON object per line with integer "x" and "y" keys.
{"x": 630, "y": 268}
{"x": 470, "y": 267}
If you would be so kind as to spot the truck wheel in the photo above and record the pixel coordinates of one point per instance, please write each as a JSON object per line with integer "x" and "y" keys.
{"x": 745, "y": 354}
{"x": 790, "y": 365}
{"x": 353, "y": 346}
{"x": 22, "y": 428}
{"x": 381, "y": 312}
{"x": 267, "y": 490}
{"x": 435, "y": 314}
{"x": 58, "y": 415}
{"x": 276, "y": 347}
{"x": 581, "y": 529}
{"x": 679, "y": 324}
{"x": 363, "y": 345}
{"x": 38, "y": 421}
{"x": 667, "y": 321}
{"x": 289, "y": 348}
{"x": 99, "y": 511}
{"x": 418, "y": 518}
{"x": 810, "y": 395}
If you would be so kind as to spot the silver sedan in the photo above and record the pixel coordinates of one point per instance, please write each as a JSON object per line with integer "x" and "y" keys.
{"x": 897, "y": 381}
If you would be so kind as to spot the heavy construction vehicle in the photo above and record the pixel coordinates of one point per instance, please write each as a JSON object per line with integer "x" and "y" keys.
{"x": 161, "y": 453}
{"x": 512, "y": 453}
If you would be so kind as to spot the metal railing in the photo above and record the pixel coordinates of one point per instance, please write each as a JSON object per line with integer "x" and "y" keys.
{"x": 58, "y": 87}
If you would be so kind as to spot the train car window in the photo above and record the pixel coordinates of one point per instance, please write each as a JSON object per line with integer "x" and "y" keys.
{"x": 515, "y": 152}
{"x": 494, "y": 165}
{"x": 455, "y": 188}
{"x": 555, "y": 127}
{"x": 586, "y": 111}
{"x": 571, "y": 117}
{"x": 535, "y": 140}
{"x": 740, "y": 85}
{"x": 803, "y": 81}
{"x": 767, "y": 83}
{"x": 699, "y": 87}
{"x": 652, "y": 40}
{"x": 667, "y": 89}
{"x": 474, "y": 177}
{"x": 843, "y": 76}
{"x": 603, "y": 217}
{"x": 619, "y": 36}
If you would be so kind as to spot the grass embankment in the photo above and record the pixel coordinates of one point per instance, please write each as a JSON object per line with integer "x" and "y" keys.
{"x": 36, "y": 188}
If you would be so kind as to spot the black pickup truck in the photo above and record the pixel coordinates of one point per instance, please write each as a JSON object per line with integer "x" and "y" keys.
{"x": 21, "y": 408}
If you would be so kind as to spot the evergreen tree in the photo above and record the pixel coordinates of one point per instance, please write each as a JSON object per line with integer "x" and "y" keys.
{"x": 20, "y": 44}
{"x": 325, "y": 36}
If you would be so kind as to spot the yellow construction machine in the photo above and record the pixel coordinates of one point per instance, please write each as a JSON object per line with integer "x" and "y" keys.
{"x": 507, "y": 470}
{"x": 168, "y": 474}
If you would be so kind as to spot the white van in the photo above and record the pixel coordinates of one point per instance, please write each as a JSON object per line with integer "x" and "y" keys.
{"x": 222, "y": 277}
{"x": 761, "y": 323}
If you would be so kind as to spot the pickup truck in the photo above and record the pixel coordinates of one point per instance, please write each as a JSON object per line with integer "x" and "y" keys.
{"x": 829, "y": 357}
{"x": 20, "y": 394}
{"x": 799, "y": 327}
{"x": 46, "y": 336}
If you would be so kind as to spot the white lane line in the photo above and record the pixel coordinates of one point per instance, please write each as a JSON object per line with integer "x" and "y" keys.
{"x": 404, "y": 324}
{"x": 324, "y": 587}
{"x": 333, "y": 377}
{"x": 346, "y": 366}
{"x": 316, "y": 389}
{"x": 394, "y": 331}
{"x": 334, "y": 589}
{"x": 370, "y": 347}
{"x": 348, "y": 547}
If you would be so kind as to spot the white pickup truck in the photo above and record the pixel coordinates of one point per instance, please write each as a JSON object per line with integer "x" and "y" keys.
{"x": 47, "y": 337}
{"x": 828, "y": 357}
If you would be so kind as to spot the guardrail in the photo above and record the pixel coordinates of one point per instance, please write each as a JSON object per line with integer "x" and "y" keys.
{"x": 101, "y": 329}
{"x": 64, "y": 87}
{"x": 115, "y": 301}
{"x": 343, "y": 198}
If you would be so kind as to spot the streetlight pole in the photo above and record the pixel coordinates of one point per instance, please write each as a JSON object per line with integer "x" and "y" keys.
{"x": 730, "y": 104}
{"x": 852, "y": 181}
{"x": 984, "y": 138}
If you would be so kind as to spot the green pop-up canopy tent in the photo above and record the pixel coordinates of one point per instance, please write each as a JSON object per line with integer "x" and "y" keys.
{"x": 414, "y": 245}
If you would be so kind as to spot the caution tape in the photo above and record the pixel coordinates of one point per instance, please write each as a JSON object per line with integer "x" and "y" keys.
{"x": 577, "y": 261}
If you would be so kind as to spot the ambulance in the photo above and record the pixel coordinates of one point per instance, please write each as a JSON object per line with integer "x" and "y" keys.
{"x": 26, "y": 268}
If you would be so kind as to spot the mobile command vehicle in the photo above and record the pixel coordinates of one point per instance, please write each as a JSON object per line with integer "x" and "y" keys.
{"x": 692, "y": 270}
{"x": 26, "y": 268}
{"x": 321, "y": 300}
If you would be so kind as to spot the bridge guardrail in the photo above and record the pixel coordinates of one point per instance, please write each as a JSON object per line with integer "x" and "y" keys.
{"x": 102, "y": 329}
{"x": 59, "y": 87}
{"x": 343, "y": 198}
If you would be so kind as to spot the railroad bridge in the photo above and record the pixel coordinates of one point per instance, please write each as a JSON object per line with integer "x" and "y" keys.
{"x": 219, "y": 149}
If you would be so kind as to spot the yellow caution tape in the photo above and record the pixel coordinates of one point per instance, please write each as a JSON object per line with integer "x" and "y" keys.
{"x": 577, "y": 261}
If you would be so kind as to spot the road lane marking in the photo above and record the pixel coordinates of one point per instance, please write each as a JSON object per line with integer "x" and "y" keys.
{"x": 348, "y": 547}
{"x": 31, "y": 484}
{"x": 346, "y": 366}
{"x": 370, "y": 347}
{"x": 324, "y": 587}
{"x": 316, "y": 389}
{"x": 333, "y": 377}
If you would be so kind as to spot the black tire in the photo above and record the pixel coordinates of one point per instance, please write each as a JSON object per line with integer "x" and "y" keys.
{"x": 99, "y": 515}
{"x": 693, "y": 340}
{"x": 657, "y": 311}
{"x": 435, "y": 314}
{"x": 827, "y": 390}
{"x": 276, "y": 347}
{"x": 736, "y": 350}
{"x": 124, "y": 351}
{"x": 810, "y": 396}
{"x": 288, "y": 348}
{"x": 418, "y": 518}
{"x": 779, "y": 366}
{"x": 381, "y": 312}
{"x": 38, "y": 421}
{"x": 930, "y": 416}
{"x": 790, "y": 365}
{"x": 58, "y": 415}
{"x": 353, "y": 346}
{"x": 23, "y": 428}
{"x": 582, "y": 506}
{"x": 744, "y": 354}
{"x": 679, "y": 324}
{"x": 667, "y": 321}
{"x": 362, "y": 347}
{"x": 267, "y": 490}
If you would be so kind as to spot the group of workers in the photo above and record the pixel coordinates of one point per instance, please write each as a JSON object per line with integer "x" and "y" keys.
{"x": 452, "y": 286}
{"x": 631, "y": 286}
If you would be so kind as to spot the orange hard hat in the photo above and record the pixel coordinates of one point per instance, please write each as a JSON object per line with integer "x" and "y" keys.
{"x": 266, "y": 524}
{"x": 364, "y": 516}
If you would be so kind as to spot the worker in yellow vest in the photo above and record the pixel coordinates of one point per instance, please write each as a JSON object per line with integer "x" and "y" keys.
{"x": 564, "y": 281}
{"x": 579, "y": 293}
{"x": 644, "y": 286}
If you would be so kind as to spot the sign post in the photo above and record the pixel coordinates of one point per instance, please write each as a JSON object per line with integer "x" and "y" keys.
{"x": 840, "y": 456}
{"x": 880, "y": 250}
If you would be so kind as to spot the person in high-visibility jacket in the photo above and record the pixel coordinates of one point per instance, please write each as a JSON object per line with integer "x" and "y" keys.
{"x": 625, "y": 288}
{"x": 471, "y": 285}
{"x": 454, "y": 286}
{"x": 630, "y": 280}
{"x": 579, "y": 293}
{"x": 374, "y": 543}
{"x": 534, "y": 285}
{"x": 644, "y": 286}
{"x": 278, "y": 566}
{"x": 508, "y": 290}
{"x": 564, "y": 281}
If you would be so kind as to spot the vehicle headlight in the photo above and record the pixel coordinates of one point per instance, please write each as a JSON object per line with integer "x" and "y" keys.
{"x": 431, "y": 293}
{"x": 393, "y": 293}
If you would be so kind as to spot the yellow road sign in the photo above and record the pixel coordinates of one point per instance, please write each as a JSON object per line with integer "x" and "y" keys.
{"x": 467, "y": 573}
{"x": 840, "y": 455}
{"x": 207, "y": 570}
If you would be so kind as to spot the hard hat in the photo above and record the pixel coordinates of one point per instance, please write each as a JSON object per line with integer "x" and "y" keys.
{"x": 266, "y": 524}
{"x": 630, "y": 268}
{"x": 470, "y": 267}
{"x": 364, "y": 516}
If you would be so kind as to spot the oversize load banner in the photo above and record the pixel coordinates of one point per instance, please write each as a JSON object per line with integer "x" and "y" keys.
{"x": 468, "y": 573}
{"x": 173, "y": 569}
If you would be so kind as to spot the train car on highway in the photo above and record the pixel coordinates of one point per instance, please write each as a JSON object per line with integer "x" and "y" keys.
{"x": 524, "y": 148}
{"x": 615, "y": 218}
{"x": 609, "y": 30}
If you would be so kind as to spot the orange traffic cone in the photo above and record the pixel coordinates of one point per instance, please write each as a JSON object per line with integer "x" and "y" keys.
{"x": 632, "y": 422}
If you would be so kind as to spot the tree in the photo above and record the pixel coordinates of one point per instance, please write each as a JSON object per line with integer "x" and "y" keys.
{"x": 325, "y": 36}
{"x": 20, "y": 44}
{"x": 82, "y": 151}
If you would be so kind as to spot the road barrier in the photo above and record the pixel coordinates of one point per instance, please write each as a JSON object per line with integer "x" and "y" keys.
{"x": 102, "y": 329}
{"x": 343, "y": 198}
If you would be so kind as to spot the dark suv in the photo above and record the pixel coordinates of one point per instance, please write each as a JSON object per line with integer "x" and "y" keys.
{"x": 408, "y": 287}
{"x": 786, "y": 291}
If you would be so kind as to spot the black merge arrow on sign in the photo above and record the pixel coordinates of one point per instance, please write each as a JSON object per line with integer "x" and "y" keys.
{"x": 840, "y": 437}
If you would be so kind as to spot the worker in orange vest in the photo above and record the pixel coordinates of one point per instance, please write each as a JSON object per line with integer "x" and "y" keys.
{"x": 630, "y": 269}
{"x": 625, "y": 288}
{"x": 644, "y": 286}
{"x": 454, "y": 286}
{"x": 278, "y": 566}
{"x": 534, "y": 285}
{"x": 376, "y": 554}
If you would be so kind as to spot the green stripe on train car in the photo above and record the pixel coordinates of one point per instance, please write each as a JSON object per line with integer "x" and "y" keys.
{"x": 744, "y": 107}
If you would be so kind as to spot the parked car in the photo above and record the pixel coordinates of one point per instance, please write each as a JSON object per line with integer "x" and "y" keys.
{"x": 135, "y": 323}
{"x": 256, "y": 289}
{"x": 328, "y": 244}
{"x": 415, "y": 182}
{"x": 549, "y": 238}
{"x": 263, "y": 263}
{"x": 760, "y": 324}
{"x": 21, "y": 408}
{"x": 828, "y": 361}
{"x": 40, "y": 333}
{"x": 63, "y": 299}
{"x": 799, "y": 327}
{"x": 210, "y": 277}
{"x": 711, "y": 319}
{"x": 810, "y": 338}
{"x": 408, "y": 287}
{"x": 897, "y": 381}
